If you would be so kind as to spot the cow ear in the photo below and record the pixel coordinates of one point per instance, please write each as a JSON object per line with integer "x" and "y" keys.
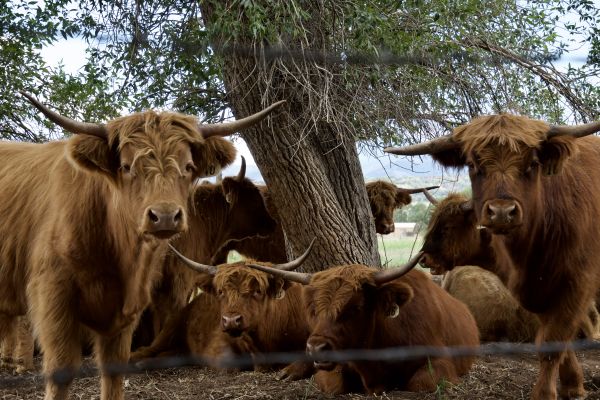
{"x": 277, "y": 287}
{"x": 393, "y": 296}
{"x": 554, "y": 152}
{"x": 402, "y": 198}
{"x": 93, "y": 154}
{"x": 212, "y": 155}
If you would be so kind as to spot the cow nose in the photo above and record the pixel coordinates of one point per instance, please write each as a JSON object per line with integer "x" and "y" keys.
{"x": 314, "y": 346}
{"x": 501, "y": 214}
{"x": 390, "y": 228}
{"x": 230, "y": 322}
{"x": 164, "y": 219}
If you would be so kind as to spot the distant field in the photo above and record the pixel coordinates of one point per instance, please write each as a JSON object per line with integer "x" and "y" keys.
{"x": 397, "y": 250}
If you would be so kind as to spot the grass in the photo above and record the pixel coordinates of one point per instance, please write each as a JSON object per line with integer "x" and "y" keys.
{"x": 396, "y": 250}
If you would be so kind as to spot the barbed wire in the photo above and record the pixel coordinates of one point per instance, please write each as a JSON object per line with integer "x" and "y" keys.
{"x": 389, "y": 355}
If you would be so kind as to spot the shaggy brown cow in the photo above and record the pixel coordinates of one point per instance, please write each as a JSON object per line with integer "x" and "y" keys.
{"x": 384, "y": 198}
{"x": 232, "y": 209}
{"x": 535, "y": 188}
{"x": 85, "y": 223}
{"x": 498, "y": 314}
{"x": 355, "y": 306}
{"x": 256, "y": 313}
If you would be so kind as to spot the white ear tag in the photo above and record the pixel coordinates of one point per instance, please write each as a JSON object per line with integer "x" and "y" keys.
{"x": 228, "y": 198}
{"x": 395, "y": 311}
{"x": 280, "y": 294}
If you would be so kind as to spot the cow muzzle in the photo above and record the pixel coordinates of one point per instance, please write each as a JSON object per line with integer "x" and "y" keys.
{"x": 316, "y": 345}
{"x": 232, "y": 324}
{"x": 386, "y": 229}
{"x": 501, "y": 216}
{"x": 164, "y": 220}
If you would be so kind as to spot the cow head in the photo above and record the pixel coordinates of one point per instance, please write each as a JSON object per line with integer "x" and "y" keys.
{"x": 384, "y": 198}
{"x": 151, "y": 160}
{"x": 453, "y": 237}
{"x": 343, "y": 303}
{"x": 236, "y": 205}
{"x": 245, "y": 293}
{"x": 507, "y": 157}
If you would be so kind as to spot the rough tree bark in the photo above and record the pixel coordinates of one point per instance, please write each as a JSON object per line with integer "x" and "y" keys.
{"x": 311, "y": 169}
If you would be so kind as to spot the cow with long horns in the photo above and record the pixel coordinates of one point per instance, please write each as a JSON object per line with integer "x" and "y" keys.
{"x": 231, "y": 209}
{"x": 535, "y": 190}
{"x": 85, "y": 225}
{"x": 384, "y": 198}
{"x": 256, "y": 313}
{"x": 355, "y": 306}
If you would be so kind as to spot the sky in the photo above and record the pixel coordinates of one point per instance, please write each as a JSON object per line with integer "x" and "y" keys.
{"x": 71, "y": 53}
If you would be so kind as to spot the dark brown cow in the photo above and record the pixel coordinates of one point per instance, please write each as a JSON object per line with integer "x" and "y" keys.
{"x": 256, "y": 313}
{"x": 535, "y": 188}
{"x": 232, "y": 209}
{"x": 384, "y": 198}
{"x": 355, "y": 306}
{"x": 85, "y": 223}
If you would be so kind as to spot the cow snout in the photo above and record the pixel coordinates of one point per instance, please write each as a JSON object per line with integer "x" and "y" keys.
{"x": 501, "y": 215}
{"x": 316, "y": 345}
{"x": 232, "y": 324}
{"x": 164, "y": 220}
{"x": 389, "y": 228}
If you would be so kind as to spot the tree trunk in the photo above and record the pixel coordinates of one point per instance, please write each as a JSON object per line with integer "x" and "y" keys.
{"x": 311, "y": 169}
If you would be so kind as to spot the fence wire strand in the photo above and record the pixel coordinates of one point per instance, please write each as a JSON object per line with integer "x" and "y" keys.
{"x": 388, "y": 355}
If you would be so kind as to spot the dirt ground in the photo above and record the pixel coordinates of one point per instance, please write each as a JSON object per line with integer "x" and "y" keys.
{"x": 492, "y": 377}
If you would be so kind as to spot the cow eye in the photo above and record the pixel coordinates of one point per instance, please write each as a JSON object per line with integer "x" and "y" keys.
{"x": 126, "y": 168}
{"x": 220, "y": 293}
{"x": 190, "y": 167}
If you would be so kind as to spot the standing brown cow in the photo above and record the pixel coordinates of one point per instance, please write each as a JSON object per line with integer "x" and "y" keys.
{"x": 255, "y": 313}
{"x": 232, "y": 209}
{"x": 355, "y": 306}
{"x": 384, "y": 198}
{"x": 535, "y": 188}
{"x": 85, "y": 224}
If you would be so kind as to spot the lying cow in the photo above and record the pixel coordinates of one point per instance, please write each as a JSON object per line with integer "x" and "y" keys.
{"x": 355, "y": 306}
{"x": 384, "y": 199}
{"x": 85, "y": 226}
{"x": 242, "y": 311}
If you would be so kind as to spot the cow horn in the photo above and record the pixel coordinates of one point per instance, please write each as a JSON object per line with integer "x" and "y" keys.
{"x": 436, "y": 145}
{"x": 430, "y": 197}
{"x": 385, "y": 276}
{"x": 418, "y": 190}
{"x": 573, "y": 130}
{"x": 87, "y": 128}
{"x": 207, "y": 269}
{"x": 300, "y": 277}
{"x": 467, "y": 205}
{"x": 242, "y": 174}
{"x": 292, "y": 265}
{"x": 227, "y": 128}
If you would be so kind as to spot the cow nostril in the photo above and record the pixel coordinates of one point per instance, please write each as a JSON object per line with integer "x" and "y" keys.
{"x": 178, "y": 216}
{"x": 512, "y": 211}
{"x": 153, "y": 217}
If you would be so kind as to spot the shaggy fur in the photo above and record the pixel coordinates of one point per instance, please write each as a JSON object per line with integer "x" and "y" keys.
{"x": 75, "y": 244}
{"x": 16, "y": 350}
{"x": 346, "y": 310}
{"x": 551, "y": 252}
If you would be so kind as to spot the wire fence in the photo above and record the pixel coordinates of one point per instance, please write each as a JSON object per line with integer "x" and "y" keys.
{"x": 387, "y": 355}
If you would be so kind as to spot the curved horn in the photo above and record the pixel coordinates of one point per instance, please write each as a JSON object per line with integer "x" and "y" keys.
{"x": 573, "y": 130}
{"x": 437, "y": 145}
{"x": 419, "y": 190}
{"x": 387, "y": 275}
{"x": 87, "y": 128}
{"x": 227, "y": 128}
{"x": 292, "y": 265}
{"x": 242, "y": 174}
{"x": 207, "y": 269}
{"x": 430, "y": 197}
{"x": 300, "y": 277}
{"x": 467, "y": 205}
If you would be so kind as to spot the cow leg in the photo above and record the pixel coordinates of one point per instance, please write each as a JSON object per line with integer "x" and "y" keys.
{"x": 7, "y": 339}
{"x": 25, "y": 345}
{"x": 113, "y": 351}
{"x": 432, "y": 374}
{"x": 559, "y": 327}
{"x": 340, "y": 380}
